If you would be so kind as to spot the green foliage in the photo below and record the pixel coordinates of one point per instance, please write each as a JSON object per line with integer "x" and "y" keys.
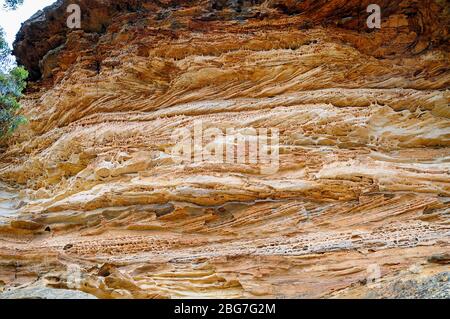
{"x": 12, "y": 84}
{"x": 4, "y": 51}
{"x": 12, "y": 4}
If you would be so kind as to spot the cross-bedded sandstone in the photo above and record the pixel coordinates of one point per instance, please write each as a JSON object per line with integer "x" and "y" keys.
{"x": 363, "y": 117}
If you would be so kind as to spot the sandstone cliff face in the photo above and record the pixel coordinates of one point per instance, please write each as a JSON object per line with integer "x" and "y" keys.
{"x": 91, "y": 199}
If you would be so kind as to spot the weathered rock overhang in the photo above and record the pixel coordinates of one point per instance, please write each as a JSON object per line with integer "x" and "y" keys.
{"x": 47, "y": 30}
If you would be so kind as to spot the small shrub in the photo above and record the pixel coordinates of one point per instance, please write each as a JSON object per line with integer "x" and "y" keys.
{"x": 12, "y": 85}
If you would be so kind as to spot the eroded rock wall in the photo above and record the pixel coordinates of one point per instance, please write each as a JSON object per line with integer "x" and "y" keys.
{"x": 363, "y": 182}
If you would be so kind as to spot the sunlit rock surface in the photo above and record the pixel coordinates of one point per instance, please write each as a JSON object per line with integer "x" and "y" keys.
{"x": 91, "y": 199}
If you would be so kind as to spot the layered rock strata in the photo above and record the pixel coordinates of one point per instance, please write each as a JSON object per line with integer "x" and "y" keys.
{"x": 91, "y": 198}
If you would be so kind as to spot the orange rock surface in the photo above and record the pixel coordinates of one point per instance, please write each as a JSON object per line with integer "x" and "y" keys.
{"x": 90, "y": 198}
